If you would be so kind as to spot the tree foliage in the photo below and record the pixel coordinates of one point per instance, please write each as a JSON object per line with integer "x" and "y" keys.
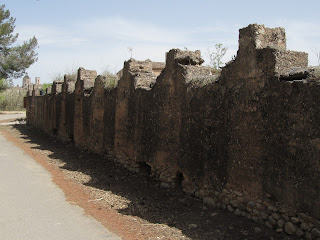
{"x": 215, "y": 55}
{"x": 14, "y": 58}
{"x": 5, "y": 83}
{"x": 46, "y": 85}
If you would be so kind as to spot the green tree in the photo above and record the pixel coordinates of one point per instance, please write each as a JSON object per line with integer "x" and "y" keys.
{"x": 14, "y": 58}
{"x": 5, "y": 83}
{"x": 215, "y": 55}
{"x": 46, "y": 85}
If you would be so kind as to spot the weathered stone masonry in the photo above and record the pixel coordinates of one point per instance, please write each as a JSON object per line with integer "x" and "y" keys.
{"x": 247, "y": 141}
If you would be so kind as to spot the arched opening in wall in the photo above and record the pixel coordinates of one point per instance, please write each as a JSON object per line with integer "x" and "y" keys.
{"x": 145, "y": 169}
{"x": 179, "y": 179}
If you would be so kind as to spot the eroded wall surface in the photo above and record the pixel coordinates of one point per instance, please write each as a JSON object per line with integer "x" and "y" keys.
{"x": 247, "y": 140}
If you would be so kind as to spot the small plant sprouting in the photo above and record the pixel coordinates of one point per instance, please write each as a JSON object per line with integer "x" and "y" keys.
{"x": 216, "y": 55}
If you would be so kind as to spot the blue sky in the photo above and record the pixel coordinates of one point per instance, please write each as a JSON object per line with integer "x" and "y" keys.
{"x": 96, "y": 34}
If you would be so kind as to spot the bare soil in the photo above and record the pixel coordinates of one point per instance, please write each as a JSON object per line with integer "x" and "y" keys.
{"x": 132, "y": 205}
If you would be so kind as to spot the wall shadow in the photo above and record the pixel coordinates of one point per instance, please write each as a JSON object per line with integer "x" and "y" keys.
{"x": 148, "y": 200}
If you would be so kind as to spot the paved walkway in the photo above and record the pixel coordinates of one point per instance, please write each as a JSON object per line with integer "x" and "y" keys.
{"x": 33, "y": 208}
{"x": 9, "y": 115}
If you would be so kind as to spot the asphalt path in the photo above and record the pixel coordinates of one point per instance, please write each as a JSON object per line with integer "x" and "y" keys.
{"x": 32, "y": 207}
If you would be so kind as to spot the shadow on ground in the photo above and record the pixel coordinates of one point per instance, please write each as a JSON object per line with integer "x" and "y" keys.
{"x": 147, "y": 200}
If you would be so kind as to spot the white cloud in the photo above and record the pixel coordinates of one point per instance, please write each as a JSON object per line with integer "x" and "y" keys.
{"x": 128, "y": 30}
{"x": 100, "y": 43}
{"x": 50, "y": 35}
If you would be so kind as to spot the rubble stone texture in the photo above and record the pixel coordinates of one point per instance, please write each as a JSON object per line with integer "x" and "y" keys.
{"x": 247, "y": 141}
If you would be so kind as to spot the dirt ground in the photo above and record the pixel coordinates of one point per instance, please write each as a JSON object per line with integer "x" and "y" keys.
{"x": 131, "y": 205}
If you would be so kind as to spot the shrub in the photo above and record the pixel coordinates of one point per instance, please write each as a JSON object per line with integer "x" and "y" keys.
{"x": 111, "y": 79}
{"x": 12, "y": 99}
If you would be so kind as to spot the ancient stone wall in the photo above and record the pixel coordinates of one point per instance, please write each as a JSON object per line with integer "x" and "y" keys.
{"x": 247, "y": 140}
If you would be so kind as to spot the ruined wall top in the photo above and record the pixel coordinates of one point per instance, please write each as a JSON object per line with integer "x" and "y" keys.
{"x": 257, "y": 36}
{"x": 139, "y": 66}
{"x": 56, "y": 87}
{"x": 87, "y": 77}
{"x": 69, "y": 82}
{"x": 70, "y": 78}
{"x": 262, "y": 52}
{"x": 141, "y": 72}
{"x": 184, "y": 57}
{"x": 158, "y": 65}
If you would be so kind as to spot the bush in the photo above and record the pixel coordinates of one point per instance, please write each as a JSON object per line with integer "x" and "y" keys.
{"x": 111, "y": 79}
{"x": 12, "y": 99}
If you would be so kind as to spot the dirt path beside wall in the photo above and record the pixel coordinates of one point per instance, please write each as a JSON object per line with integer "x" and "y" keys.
{"x": 131, "y": 205}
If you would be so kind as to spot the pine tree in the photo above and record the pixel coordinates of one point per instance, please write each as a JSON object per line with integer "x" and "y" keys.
{"x": 14, "y": 59}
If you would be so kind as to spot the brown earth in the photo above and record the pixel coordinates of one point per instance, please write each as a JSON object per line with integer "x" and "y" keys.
{"x": 131, "y": 205}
